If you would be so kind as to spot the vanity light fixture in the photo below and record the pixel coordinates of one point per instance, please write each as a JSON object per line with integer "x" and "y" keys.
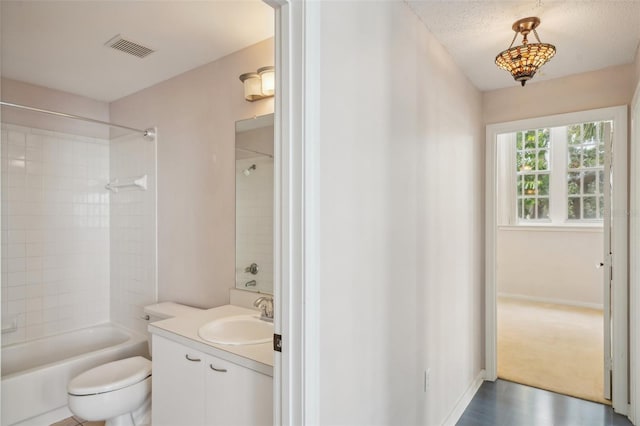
{"x": 259, "y": 85}
{"x": 524, "y": 61}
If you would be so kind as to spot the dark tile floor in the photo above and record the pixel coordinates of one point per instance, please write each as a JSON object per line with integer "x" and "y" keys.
{"x": 503, "y": 403}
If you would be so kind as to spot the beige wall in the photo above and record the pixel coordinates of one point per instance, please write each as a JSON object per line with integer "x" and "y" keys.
{"x": 195, "y": 113}
{"x": 598, "y": 89}
{"x": 42, "y": 97}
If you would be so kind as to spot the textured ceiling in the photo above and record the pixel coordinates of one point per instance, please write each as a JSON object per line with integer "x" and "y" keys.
{"x": 60, "y": 44}
{"x": 588, "y": 34}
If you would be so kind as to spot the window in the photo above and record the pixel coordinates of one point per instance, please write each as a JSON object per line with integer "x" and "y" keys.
{"x": 532, "y": 171}
{"x": 557, "y": 173}
{"x": 585, "y": 171}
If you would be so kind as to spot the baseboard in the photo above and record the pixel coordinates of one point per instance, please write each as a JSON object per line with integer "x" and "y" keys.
{"x": 550, "y": 300}
{"x": 464, "y": 401}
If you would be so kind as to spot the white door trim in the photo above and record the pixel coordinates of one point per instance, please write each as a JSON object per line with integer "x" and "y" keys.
{"x": 620, "y": 239}
{"x": 296, "y": 115}
{"x": 634, "y": 256}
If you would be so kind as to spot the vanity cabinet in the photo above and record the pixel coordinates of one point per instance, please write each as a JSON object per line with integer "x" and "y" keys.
{"x": 193, "y": 388}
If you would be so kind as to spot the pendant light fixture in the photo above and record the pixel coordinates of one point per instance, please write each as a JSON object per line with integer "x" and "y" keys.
{"x": 524, "y": 61}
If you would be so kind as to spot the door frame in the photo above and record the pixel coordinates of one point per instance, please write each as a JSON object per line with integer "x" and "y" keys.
{"x": 619, "y": 207}
{"x": 296, "y": 42}
{"x": 634, "y": 256}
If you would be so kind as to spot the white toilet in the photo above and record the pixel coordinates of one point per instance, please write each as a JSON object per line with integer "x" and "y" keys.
{"x": 119, "y": 392}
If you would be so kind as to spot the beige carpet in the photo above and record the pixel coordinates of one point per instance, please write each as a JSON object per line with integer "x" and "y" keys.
{"x": 553, "y": 347}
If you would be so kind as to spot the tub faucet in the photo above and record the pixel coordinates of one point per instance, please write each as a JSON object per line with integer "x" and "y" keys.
{"x": 265, "y": 304}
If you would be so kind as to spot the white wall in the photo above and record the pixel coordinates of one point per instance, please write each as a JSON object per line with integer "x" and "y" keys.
{"x": 398, "y": 172}
{"x": 18, "y": 92}
{"x": 195, "y": 113}
{"x": 551, "y": 265}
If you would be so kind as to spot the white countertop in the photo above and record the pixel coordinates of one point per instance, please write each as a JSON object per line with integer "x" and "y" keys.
{"x": 184, "y": 329}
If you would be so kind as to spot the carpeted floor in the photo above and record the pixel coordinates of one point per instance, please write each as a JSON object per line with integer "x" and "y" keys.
{"x": 553, "y": 347}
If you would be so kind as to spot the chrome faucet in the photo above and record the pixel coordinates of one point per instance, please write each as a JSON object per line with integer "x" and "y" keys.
{"x": 265, "y": 304}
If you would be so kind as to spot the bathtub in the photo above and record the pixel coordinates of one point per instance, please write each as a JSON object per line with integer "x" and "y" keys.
{"x": 35, "y": 374}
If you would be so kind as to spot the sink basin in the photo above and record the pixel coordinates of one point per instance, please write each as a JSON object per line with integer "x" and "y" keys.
{"x": 237, "y": 330}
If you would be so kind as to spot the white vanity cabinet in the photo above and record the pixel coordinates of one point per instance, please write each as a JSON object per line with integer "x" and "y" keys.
{"x": 193, "y": 388}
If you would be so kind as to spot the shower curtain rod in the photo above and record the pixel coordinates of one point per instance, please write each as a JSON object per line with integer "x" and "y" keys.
{"x": 147, "y": 132}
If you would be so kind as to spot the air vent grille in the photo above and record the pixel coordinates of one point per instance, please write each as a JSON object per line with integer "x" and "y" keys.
{"x": 128, "y": 46}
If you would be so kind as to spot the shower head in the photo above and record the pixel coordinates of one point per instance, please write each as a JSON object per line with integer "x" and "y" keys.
{"x": 248, "y": 170}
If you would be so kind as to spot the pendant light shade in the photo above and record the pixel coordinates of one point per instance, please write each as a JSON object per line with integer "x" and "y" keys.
{"x": 523, "y": 61}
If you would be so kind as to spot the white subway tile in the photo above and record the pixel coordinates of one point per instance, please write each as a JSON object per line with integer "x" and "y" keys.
{"x": 35, "y": 331}
{"x": 33, "y": 304}
{"x": 34, "y": 264}
{"x": 34, "y": 317}
{"x": 16, "y": 293}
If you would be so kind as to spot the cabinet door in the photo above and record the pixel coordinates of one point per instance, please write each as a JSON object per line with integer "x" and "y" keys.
{"x": 178, "y": 385}
{"x": 237, "y": 396}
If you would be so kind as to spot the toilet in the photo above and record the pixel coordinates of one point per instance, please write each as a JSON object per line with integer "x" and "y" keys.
{"x": 119, "y": 392}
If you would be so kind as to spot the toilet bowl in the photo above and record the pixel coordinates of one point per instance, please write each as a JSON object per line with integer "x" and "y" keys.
{"x": 119, "y": 392}
{"x": 114, "y": 392}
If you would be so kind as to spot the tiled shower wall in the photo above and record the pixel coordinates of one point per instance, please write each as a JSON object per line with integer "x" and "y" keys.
{"x": 254, "y": 222}
{"x": 55, "y": 232}
{"x": 133, "y": 231}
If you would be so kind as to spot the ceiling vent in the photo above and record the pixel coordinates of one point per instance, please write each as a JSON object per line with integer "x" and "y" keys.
{"x": 127, "y": 46}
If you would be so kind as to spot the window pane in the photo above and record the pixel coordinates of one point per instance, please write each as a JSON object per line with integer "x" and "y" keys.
{"x": 601, "y": 131}
{"x": 601, "y": 154}
{"x": 519, "y": 161}
{"x": 520, "y": 208}
{"x": 589, "y": 158}
{"x": 589, "y": 182}
{"x": 520, "y": 186}
{"x": 600, "y": 207}
{"x": 543, "y": 184}
{"x": 574, "y": 157}
{"x": 543, "y": 160}
{"x": 518, "y": 140}
{"x": 573, "y": 182}
{"x": 601, "y": 182}
{"x": 589, "y": 208}
{"x": 543, "y": 208}
{"x": 529, "y": 162}
{"x": 530, "y": 139}
{"x": 574, "y": 134}
{"x": 529, "y": 208}
{"x": 529, "y": 184}
{"x": 589, "y": 132}
{"x": 543, "y": 138}
{"x": 573, "y": 207}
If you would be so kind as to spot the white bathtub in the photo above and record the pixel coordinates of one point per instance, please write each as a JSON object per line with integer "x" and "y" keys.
{"x": 35, "y": 374}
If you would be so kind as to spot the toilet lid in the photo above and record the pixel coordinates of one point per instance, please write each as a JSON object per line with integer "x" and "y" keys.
{"x": 111, "y": 376}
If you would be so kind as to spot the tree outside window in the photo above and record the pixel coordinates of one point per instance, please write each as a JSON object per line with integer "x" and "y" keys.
{"x": 533, "y": 174}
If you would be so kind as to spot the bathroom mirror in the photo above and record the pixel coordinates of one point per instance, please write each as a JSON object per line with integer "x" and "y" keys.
{"x": 254, "y": 204}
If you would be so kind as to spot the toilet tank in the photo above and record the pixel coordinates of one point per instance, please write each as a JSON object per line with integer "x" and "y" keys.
{"x": 165, "y": 310}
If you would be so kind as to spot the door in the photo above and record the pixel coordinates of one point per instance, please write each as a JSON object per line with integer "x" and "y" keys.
{"x": 608, "y": 256}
